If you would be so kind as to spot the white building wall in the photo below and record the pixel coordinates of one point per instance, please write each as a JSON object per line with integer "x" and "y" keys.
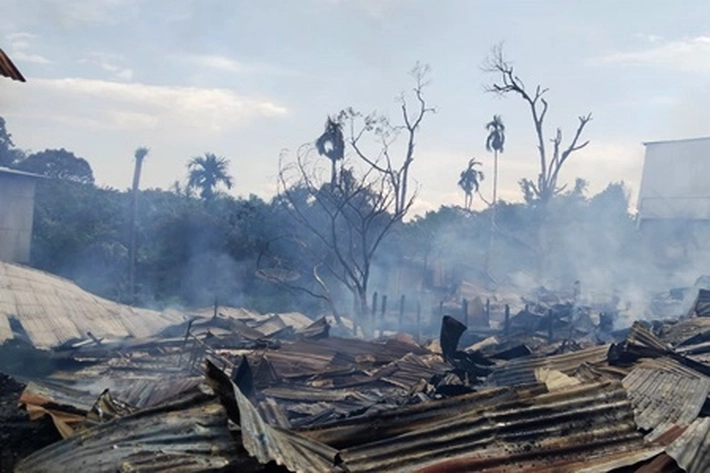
{"x": 676, "y": 180}
{"x": 16, "y": 215}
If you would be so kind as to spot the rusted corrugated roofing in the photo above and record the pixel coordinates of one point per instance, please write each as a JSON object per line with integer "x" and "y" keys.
{"x": 267, "y": 443}
{"x": 188, "y": 435}
{"x": 522, "y": 370}
{"x": 52, "y": 311}
{"x": 393, "y": 422}
{"x": 8, "y": 69}
{"x": 308, "y": 358}
{"x": 665, "y": 392}
{"x": 579, "y": 427}
{"x": 692, "y": 449}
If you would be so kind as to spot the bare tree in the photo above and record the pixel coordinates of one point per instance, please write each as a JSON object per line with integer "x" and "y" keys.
{"x": 551, "y": 162}
{"x": 348, "y": 220}
{"x": 412, "y": 114}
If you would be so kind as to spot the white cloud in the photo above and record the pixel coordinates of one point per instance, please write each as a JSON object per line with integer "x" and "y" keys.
{"x": 132, "y": 105}
{"x": 108, "y": 62}
{"x": 687, "y": 55}
{"x": 651, "y": 38}
{"x": 33, "y": 58}
{"x": 223, "y": 64}
{"x": 20, "y": 44}
{"x": 233, "y": 66}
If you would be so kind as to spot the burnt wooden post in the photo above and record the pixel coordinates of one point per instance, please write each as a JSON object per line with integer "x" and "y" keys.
{"x": 401, "y": 312}
{"x": 464, "y": 305}
{"x": 506, "y": 327}
{"x": 374, "y": 309}
{"x": 384, "y": 308}
{"x": 419, "y": 321}
{"x": 184, "y": 342}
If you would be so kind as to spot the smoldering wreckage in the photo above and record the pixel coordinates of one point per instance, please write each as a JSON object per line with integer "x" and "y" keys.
{"x": 96, "y": 386}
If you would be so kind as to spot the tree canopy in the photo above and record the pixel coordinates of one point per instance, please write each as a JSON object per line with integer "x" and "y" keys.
{"x": 58, "y": 164}
{"x": 206, "y": 173}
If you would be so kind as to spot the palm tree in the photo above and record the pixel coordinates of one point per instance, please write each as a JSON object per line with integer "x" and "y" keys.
{"x": 470, "y": 180}
{"x": 332, "y": 145}
{"x": 139, "y": 155}
{"x": 206, "y": 173}
{"x": 494, "y": 143}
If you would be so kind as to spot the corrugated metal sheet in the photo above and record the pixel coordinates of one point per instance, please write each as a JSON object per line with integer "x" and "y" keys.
{"x": 692, "y": 449}
{"x": 679, "y": 333}
{"x": 294, "y": 451}
{"x": 393, "y": 422}
{"x": 567, "y": 430}
{"x": 53, "y": 311}
{"x": 17, "y": 172}
{"x": 331, "y": 355}
{"x": 665, "y": 392}
{"x": 188, "y": 435}
{"x": 8, "y": 69}
{"x": 267, "y": 443}
{"x": 522, "y": 370}
{"x": 409, "y": 370}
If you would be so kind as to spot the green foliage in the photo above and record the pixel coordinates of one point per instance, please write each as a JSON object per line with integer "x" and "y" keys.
{"x": 8, "y": 153}
{"x": 331, "y": 144}
{"x": 58, "y": 164}
{"x": 495, "y": 141}
{"x": 206, "y": 173}
{"x": 78, "y": 234}
{"x": 470, "y": 180}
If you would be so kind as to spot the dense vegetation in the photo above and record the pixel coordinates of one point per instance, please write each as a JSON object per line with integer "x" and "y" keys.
{"x": 195, "y": 244}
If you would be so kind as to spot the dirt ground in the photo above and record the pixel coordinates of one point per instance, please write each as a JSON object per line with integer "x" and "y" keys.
{"x": 18, "y": 435}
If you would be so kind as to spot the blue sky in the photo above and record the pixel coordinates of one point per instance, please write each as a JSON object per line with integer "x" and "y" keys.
{"x": 246, "y": 79}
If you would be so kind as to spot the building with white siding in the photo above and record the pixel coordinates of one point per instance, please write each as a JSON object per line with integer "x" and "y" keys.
{"x": 674, "y": 200}
{"x": 17, "y": 200}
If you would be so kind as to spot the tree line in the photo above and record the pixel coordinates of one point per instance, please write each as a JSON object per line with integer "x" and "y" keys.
{"x": 337, "y": 229}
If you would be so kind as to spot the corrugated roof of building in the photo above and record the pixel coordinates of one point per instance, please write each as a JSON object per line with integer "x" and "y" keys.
{"x": 52, "y": 311}
{"x": 663, "y": 391}
{"x": 692, "y": 449}
{"x": 15, "y": 172}
{"x": 522, "y": 370}
{"x": 683, "y": 140}
{"x": 8, "y": 69}
{"x": 566, "y": 430}
{"x": 188, "y": 435}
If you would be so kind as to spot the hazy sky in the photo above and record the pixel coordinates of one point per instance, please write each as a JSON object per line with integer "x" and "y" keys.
{"x": 245, "y": 79}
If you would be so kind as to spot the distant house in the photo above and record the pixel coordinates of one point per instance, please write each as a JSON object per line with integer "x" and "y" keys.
{"x": 17, "y": 198}
{"x": 674, "y": 199}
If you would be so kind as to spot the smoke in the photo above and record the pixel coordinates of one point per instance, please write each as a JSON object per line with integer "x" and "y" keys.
{"x": 593, "y": 240}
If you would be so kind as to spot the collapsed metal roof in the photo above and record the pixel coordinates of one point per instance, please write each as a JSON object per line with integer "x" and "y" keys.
{"x": 49, "y": 311}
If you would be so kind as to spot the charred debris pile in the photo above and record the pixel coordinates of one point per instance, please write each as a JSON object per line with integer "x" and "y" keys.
{"x": 550, "y": 388}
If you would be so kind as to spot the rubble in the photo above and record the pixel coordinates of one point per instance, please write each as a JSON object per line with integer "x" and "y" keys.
{"x": 232, "y": 389}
